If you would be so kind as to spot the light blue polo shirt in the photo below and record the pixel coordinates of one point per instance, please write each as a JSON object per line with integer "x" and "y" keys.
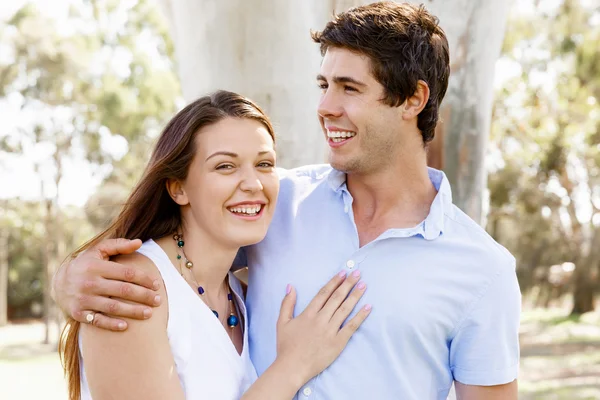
{"x": 445, "y": 296}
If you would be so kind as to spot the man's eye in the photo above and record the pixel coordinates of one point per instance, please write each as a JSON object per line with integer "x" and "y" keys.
{"x": 322, "y": 86}
{"x": 349, "y": 88}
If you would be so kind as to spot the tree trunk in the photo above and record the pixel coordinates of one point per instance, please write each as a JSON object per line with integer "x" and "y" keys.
{"x": 3, "y": 276}
{"x": 475, "y": 31}
{"x": 585, "y": 276}
{"x": 261, "y": 49}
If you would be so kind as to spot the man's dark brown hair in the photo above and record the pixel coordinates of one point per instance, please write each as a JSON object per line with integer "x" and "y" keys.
{"x": 404, "y": 43}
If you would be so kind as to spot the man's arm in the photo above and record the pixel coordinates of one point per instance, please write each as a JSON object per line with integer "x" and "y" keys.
{"x": 499, "y": 392}
{"x": 87, "y": 284}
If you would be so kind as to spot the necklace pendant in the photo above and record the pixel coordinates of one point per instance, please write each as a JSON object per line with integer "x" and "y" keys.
{"x": 232, "y": 321}
{"x": 216, "y": 313}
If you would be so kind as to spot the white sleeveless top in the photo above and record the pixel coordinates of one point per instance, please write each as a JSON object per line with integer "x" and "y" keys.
{"x": 207, "y": 362}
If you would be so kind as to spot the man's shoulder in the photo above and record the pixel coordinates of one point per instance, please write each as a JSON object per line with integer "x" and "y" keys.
{"x": 302, "y": 178}
{"x": 463, "y": 225}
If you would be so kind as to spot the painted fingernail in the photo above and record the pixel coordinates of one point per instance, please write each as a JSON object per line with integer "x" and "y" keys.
{"x": 356, "y": 274}
{"x": 342, "y": 274}
{"x": 155, "y": 285}
{"x": 288, "y": 289}
{"x": 157, "y": 299}
{"x": 147, "y": 313}
{"x": 367, "y": 307}
{"x": 361, "y": 286}
{"x": 121, "y": 325}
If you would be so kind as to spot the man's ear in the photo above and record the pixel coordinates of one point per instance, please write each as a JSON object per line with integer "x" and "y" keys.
{"x": 417, "y": 102}
{"x": 177, "y": 192}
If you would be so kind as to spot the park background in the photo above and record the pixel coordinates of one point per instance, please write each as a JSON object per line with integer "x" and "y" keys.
{"x": 86, "y": 86}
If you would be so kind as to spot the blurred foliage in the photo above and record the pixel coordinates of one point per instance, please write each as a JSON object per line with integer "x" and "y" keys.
{"x": 24, "y": 222}
{"x": 545, "y": 184}
{"x": 91, "y": 86}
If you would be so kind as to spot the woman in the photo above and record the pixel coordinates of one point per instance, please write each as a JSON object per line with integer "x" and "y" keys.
{"x": 210, "y": 188}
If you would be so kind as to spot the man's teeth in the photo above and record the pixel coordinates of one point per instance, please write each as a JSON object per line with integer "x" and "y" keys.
{"x": 252, "y": 210}
{"x": 338, "y": 136}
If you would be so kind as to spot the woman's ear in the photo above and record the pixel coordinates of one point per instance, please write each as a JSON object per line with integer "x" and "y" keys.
{"x": 177, "y": 192}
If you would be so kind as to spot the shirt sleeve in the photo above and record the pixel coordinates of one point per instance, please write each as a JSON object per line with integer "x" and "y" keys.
{"x": 485, "y": 349}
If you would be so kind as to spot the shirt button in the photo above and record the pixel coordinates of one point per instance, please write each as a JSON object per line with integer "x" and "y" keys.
{"x": 350, "y": 264}
{"x": 346, "y": 209}
{"x": 307, "y": 391}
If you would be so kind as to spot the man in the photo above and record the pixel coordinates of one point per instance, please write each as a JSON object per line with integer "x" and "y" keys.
{"x": 445, "y": 297}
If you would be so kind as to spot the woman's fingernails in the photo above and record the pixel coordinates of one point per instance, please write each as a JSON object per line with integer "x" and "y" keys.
{"x": 361, "y": 286}
{"x": 342, "y": 274}
{"x": 121, "y": 325}
{"x": 367, "y": 307}
{"x": 356, "y": 274}
{"x": 147, "y": 313}
{"x": 288, "y": 289}
{"x": 157, "y": 300}
{"x": 155, "y": 285}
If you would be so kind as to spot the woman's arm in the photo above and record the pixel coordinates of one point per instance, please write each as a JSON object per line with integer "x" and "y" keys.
{"x": 309, "y": 343}
{"x": 136, "y": 363}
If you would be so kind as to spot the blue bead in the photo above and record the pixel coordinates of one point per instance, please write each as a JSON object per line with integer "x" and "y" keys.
{"x": 229, "y": 296}
{"x": 180, "y": 243}
{"x": 216, "y": 313}
{"x": 200, "y": 290}
{"x": 232, "y": 321}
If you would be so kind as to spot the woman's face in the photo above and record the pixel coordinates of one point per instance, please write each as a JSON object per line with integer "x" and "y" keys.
{"x": 232, "y": 185}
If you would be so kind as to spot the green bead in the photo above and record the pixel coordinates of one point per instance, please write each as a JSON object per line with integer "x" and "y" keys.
{"x": 180, "y": 243}
{"x": 178, "y": 256}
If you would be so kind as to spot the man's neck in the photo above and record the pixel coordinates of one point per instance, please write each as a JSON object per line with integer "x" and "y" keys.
{"x": 396, "y": 197}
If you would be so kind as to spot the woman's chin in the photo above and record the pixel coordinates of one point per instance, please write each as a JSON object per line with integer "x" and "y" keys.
{"x": 248, "y": 238}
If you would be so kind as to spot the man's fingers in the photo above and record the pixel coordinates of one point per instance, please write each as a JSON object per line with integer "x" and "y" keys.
{"x": 112, "y": 307}
{"x": 114, "y": 271}
{"x": 326, "y": 291}
{"x": 113, "y": 247}
{"x": 128, "y": 291}
{"x": 344, "y": 310}
{"x": 348, "y": 330}
{"x": 112, "y": 324}
{"x": 286, "y": 313}
{"x": 339, "y": 295}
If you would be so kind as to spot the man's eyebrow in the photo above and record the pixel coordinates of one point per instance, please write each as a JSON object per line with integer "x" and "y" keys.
{"x": 342, "y": 79}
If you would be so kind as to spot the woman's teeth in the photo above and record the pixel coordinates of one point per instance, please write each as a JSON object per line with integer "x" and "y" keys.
{"x": 252, "y": 210}
{"x": 339, "y": 136}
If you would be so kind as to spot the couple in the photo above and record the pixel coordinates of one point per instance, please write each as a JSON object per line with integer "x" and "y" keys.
{"x": 445, "y": 297}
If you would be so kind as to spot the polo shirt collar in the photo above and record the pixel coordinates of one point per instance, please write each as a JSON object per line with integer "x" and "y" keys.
{"x": 433, "y": 226}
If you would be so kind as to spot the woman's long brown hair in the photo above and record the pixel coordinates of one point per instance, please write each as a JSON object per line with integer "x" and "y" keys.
{"x": 149, "y": 212}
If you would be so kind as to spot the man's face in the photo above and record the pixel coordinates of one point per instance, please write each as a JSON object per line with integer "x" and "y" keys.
{"x": 363, "y": 133}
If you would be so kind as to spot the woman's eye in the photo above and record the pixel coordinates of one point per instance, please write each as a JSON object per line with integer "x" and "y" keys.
{"x": 265, "y": 164}
{"x": 225, "y": 166}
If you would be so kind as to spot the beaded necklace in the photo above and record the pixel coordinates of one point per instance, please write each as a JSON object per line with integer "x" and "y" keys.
{"x": 232, "y": 320}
